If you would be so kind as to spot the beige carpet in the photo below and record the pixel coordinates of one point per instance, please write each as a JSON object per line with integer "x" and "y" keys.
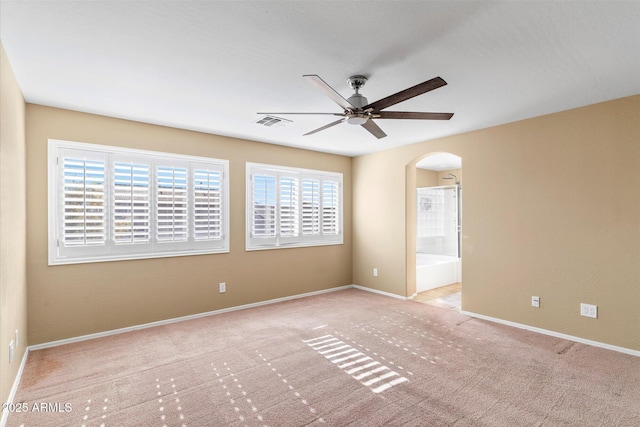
{"x": 337, "y": 359}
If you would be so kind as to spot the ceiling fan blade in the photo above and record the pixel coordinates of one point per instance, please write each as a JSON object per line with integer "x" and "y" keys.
{"x": 323, "y": 87}
{"x": 412, "y": 115}
{"x": 317, "y": 114}
{"x": 337, "y": 122}
{"x": 374, "y": 129}
{"x": 403, "y": 95}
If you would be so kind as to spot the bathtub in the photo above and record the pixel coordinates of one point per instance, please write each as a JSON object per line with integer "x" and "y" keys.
{"x": 433, "y": 271}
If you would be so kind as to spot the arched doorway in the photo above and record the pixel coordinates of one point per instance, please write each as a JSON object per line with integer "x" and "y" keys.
{"x": 437, "y": 223}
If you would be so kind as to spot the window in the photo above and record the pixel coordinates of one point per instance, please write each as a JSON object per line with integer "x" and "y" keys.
{"x": 110, "y": 203}
{"x": 289, "y": 207}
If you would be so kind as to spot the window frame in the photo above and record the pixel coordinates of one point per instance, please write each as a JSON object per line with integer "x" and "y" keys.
{"x": 282, "y": 176}
{"x": 109, "y": 250}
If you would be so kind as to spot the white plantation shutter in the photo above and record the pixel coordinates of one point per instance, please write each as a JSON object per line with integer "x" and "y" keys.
{"x": 263, "y": 208}
{"x": 330, "y": 208}
{"x": 171, "y": 203}
{"x": 289, "y": 207}
{"x": 83, "y": 221}
{"x": 131, "y": 202}
{"x": 207, "y": 193}
{"x": 110, "y": 203}
{"x": 310, "y": 207}
{"x": 292, "y": 207}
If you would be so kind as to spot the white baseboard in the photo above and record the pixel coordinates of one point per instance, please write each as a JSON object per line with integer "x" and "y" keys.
{"x": 553, "y": 333}
{"x": 375, "y": 291}
{"x": 14, "y": 388}
{"x": 205, "y": 314}
{"x": 180, "y": 319}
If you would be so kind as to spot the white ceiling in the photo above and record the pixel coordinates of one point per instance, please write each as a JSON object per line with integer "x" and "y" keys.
{"x": 440, "y": 162}
{"x": 210, "y": 66}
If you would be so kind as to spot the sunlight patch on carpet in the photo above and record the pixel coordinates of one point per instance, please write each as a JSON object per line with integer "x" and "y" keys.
{"x": 358, "y": 365}
{"x": 102, "y": 410}
{"x": 168, "y": 400}
{"x": 243, "y": 407}
{"x": 298, "y": 396}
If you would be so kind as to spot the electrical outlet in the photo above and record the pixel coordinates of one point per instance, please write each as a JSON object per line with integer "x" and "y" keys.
{"x": 535, "y": 301}
{"x": 223, "y": 287}
{"x": 589, "y": 310}
{"x": 10, "y": 351}
{"x": 375, "y": 272}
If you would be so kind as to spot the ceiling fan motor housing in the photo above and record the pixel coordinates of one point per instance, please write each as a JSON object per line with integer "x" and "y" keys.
{"x": 358, "y": 117}
{"x": 357, "y": 100}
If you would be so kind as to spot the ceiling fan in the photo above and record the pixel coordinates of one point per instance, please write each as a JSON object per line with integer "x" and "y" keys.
{"x": 358, "y": 111}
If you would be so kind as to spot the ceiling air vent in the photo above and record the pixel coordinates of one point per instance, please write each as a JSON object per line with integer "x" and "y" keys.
{"x": 273, "y": 121}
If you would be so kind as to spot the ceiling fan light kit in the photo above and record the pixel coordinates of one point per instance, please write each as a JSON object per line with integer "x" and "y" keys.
{"x": 357, "y": 119}
{"x": 357, "y": 110}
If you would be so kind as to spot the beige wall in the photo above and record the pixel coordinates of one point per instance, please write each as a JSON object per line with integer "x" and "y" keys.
{"x": 551, "y": 207}
{"x": 13, "y": 279}
{"x": 442, "y": 174}
{"x": 426, "y": 178}
{"x": 429, "y": 178}
{"x": 73, "y": 300}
